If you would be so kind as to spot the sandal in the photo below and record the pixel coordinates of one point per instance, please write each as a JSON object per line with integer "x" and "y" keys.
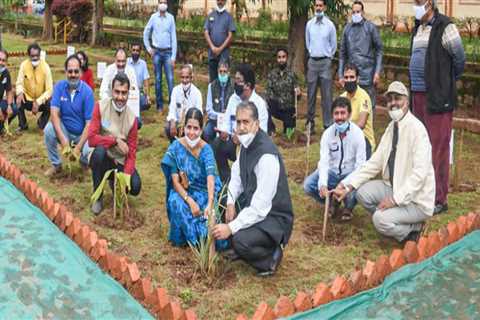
{"x": 347, "y": 215}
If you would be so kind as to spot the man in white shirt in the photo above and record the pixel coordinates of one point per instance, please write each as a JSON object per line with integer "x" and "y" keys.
{"x": 184, "y": 96}
{"x": 259, "y": 184}
{"x": 120, "y": 66}
{"x": 405, "y": 195}
{"x": 342, "y": 150}
{"x": 224, "y": 146}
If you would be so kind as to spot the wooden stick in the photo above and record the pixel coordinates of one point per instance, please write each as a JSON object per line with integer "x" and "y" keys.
{"x": 457, "y": 161}
{"x": 325, "y": 216}
{"x": 115, "y": 194}
{"x": 308, "y": 149}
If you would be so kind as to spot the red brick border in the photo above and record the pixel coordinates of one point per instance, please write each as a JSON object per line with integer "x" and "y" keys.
{"x": 157, "y": 301}
{"x": 161, "y": 305}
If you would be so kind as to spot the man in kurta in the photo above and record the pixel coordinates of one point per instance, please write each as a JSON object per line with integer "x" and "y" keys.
{"x": 262, "y": 228}
{"x": 113, "y": 135}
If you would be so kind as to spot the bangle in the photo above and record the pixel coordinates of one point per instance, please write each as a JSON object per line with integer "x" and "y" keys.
{"x": 186, "y": 197}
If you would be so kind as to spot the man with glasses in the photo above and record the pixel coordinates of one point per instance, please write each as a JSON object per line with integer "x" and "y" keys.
{"x": 8, "y": 111}
{"x": 160, "y": 39}
{"x": 71, "y": 112}
{"x": 34, "y": 88}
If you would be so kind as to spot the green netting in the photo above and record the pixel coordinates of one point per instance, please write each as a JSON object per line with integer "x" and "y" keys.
{"x": 446, "y": 286}
{"x": 44, "y": 275}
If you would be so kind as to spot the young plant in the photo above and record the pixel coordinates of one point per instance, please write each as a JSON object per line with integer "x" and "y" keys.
{"x": 71, "y": 158}
{"x": 121, "y": 186}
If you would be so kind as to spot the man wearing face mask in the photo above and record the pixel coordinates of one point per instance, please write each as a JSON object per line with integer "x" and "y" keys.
{"x": 219, "y": 92}
{"x": 160, "y": 39}
{"x": 8, "y": 110}
{"x": 120, "y": 66}
{"x": 71, "y": 112}
{"x": 437, "y": 61}
{"x": 219, "y": 28}
{"x": 262, "y": 228}
{"x": 342, "y": 150}
{"x": 362, "y": 46}
{"x": 34, "y": 88}
{"x": 113, "y": 135}
{"x": 184, "y": 96}
{"x": 225, "y": 145}
{"x": 141, "y": 71}
{"x": 282, "y": 87}
{"x": 321, "y": 43}
{"x": 362, "y": 113}
{"x": 404, "y": 196}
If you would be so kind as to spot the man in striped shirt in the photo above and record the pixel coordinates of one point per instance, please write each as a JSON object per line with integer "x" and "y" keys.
{"x": 437, "y": 61}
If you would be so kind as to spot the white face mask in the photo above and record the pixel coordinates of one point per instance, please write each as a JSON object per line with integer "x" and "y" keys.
{"x": 420, "y": 11}
{"x": 162, "y": 7}
{"x": 117, "y": 108}
{"x": 396, "y": 114}
{"x": 357, "y": 17}
{"x": 192, "y": 143}
{"x": 220, "y": 9}
{"x": 186, "y": 87}
{"x": 35, "y": 63}
{"x": 246, "y": 139}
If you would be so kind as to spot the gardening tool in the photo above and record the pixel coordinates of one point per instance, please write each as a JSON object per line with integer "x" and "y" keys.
{"x": 325, "y": 215}
{"x": 308, "y": 148}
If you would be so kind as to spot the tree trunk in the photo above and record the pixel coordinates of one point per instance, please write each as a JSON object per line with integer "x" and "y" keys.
{"x": 173, "y": 6}
{"x": 94, "y": 24}
{"x": 47, "y": 33}
{"x": 97, "y": 20}
{"x": 296, "y": 43}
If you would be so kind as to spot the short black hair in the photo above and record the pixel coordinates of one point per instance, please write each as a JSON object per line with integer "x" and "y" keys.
{"x": 4, "y": 52}
{"x": 248, "y": 105}
{"x": 122, "y": 78}
{"x": 195, "y": 114}
{"x": 85, "y": 58}
{"x": 351, "y": 66}
{"x": 72, "y": 57}
{"x": 281, "y": 49}
{"x": 360, "y": 3}
{"x": 324, "y": 1}
{"x": 224, "y": 62}
{"x": 136, "y": 44}
{"x": 248, "y": 74}
{"x": 33, "y": 46}
{"x": 342, "y": 102}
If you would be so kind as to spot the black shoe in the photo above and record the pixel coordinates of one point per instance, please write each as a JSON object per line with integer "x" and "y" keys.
{"x": 412, "y": 236}
{"x": 231, "y": 255}
{"x": 20, "y": 129}
{"x": 439, "y": 208}
{"x": 312, "y": 127}
{"x": 276, "y": 259}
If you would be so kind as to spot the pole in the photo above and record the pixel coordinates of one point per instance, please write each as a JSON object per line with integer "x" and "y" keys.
{"x": 325, "y": 216}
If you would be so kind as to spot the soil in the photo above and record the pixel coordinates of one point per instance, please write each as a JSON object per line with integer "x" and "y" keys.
{"x": 297, "y": 173}
{"x": 132, "y": 220}
{"x": 299, "y": 140}
{"x": 148, "y": 120}
{"x": 145, "y": 143}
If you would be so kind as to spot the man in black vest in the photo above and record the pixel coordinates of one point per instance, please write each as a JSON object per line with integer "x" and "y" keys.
{"x": 259, "y": 183}
{"x": 437, "y": 61}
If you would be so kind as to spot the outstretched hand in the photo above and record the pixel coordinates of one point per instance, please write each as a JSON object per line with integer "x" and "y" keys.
{"x": 221, "y": 231}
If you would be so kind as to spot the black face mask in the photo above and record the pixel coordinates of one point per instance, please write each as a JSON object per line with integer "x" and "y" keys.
{"x": 238, "y": 89}
{"x": 350, "y": 86}
{"x": 135, "y": 56}
{"x": 282, "y": 66}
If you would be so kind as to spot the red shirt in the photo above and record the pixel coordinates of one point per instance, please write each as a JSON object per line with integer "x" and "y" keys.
{"x": 87, "y": 76}
{"x": 96, "y": 139}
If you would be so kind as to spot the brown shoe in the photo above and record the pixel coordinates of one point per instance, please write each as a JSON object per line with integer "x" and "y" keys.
{"x": 347, "y": 215}
{"x": 52, "y": 171}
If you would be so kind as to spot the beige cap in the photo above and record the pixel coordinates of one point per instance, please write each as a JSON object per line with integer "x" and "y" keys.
{"x": 397, "y": 87}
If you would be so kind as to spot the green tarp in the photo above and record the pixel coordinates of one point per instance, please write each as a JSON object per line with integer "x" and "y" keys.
{"x": 44, "y": 275}
{"x": 445, "y": 286}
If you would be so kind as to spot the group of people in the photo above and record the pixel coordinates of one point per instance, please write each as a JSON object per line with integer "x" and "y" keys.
{"x": 411, "y": 157}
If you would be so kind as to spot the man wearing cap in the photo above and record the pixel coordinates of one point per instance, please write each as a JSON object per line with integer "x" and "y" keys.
{"x": 404, "y": 197}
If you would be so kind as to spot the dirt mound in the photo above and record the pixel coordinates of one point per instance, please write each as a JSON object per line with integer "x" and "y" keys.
{"x": 131, "y": 221}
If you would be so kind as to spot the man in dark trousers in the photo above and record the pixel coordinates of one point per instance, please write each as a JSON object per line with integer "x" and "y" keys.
{"x": 259, "y": 183}
{"x": 437, "y": 61}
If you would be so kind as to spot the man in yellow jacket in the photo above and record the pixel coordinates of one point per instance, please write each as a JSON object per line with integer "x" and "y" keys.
{"x": 34, "y": 88}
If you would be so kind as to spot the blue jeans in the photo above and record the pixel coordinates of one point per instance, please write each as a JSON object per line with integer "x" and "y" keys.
{"x": 143, "y": 102}
{"x": 310, "y": 185}
{"x": 3, "y": 109}
{"x": 51, "y": 141}
{"x": 162, "y": 59}
{"x": 209, "y": 133}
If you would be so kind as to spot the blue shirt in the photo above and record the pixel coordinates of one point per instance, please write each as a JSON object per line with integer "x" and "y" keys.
{"x": 321, "y": 37}
{"x": 218, "y": 25}
{"x": 160, "y": 33}
{"x": 76, "y": 111}
{"x": 141, "y": 71}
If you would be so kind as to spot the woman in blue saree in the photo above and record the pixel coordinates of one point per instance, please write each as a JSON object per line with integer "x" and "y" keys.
{"x": 192, "y": 183}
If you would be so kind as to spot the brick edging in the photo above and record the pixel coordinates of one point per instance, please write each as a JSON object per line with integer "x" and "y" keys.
{"x": 49, "y": 52}
{"x": 372, "y": 274}
{"x": 156, "y": 300}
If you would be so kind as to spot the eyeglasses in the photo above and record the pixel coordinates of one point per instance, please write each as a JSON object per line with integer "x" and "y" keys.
{"x": 73, "y": 71}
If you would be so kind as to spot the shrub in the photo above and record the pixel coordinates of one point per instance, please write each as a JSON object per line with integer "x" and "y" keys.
{"x": 264, "y": 18}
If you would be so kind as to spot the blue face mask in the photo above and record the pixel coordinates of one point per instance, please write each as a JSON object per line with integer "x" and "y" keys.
{"x": 319, "y": 14}
{"x": 223, "y": 78}
{"x": 341, "y": 127}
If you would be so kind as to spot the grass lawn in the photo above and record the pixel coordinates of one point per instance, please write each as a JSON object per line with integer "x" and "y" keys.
{"x": 308, "y": 260}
